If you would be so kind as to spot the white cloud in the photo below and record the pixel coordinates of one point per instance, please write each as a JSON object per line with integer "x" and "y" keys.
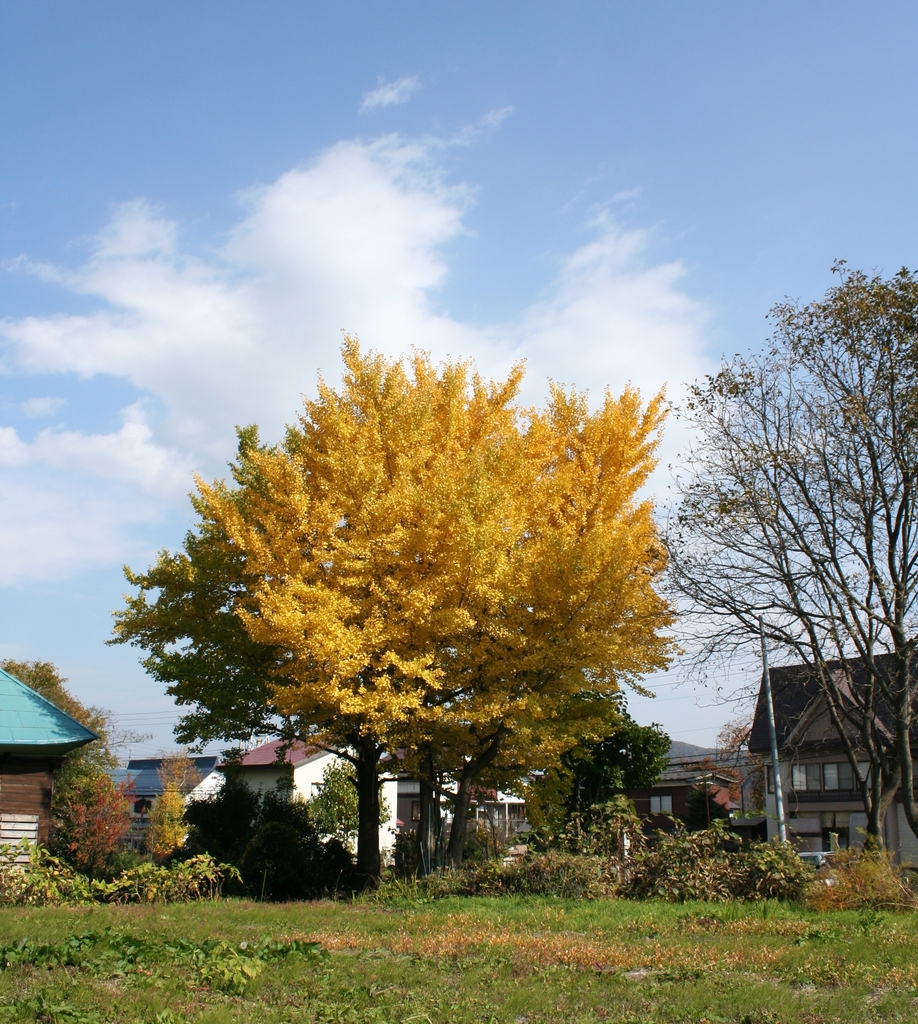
{"x": 388, "y": 94}
{"x": 52, "y": 525}
{"x": 39, "y": 408}
{"x": 72, "y": 499}
{"x": 353, "y": 240}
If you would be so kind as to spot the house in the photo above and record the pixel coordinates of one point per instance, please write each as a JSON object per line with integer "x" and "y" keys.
{"x": 301, "y": 767}
{"x": 669, "y": 795}
{"x": 34, "y": 737}
{"x": 502, "y": 813}
{"x": 142, "y": 774}
{"x": 822, "y": 804}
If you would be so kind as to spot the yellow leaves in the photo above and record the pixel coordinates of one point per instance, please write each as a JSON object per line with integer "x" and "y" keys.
{"x": 167, "y": 822}
{"x": 435, "y": 560}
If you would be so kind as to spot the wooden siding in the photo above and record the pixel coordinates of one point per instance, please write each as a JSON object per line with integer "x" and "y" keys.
{"x": 25, "y": 789}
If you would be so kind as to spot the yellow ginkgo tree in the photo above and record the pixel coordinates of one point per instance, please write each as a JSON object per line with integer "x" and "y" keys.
{"x": 440, "y": 571}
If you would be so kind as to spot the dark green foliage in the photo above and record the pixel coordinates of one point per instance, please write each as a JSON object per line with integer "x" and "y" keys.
{"x": 223, "y": 825}
{"x": 406, "y": 854}
{"x": 273, "y": 841}
{"x": 630, "y": 758}
{"x": 293, "y": 863}
{"x": 702, "y": 810}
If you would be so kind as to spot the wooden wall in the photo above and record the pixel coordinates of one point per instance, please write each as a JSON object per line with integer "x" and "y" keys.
{"x": 25, "y": 788}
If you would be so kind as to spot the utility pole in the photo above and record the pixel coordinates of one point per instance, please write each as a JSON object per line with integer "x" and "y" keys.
{"x": 773, "y": 736}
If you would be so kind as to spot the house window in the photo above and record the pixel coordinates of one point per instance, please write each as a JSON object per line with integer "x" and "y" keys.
{"x": 415, "y": 810}
{"x": 516, "y": 812}
{"x": 661, "y": 804}
{"x": 838, "y": 776}
{"x": 142, "y": 806}
{"x": 805, "y": 776}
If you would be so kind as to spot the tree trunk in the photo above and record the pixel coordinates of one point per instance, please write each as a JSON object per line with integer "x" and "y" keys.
{"x": 470, "y": 772}
{"x": 428, "y": 827}
{"x": 366, "y": 765}
{"x": 460, "y": 826}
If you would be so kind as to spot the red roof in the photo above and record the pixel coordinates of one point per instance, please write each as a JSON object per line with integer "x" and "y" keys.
{"x": 266, "y": 756}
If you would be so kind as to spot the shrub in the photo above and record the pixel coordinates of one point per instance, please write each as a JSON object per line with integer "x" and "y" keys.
{"x": 405, "y": 854}
{"x": 91, "y": 823}
{"x": 614, "y": 860}
{"x": 860, "y": 879}
{"x": 273, "y": 840}
{"x": 684, "y": 866}
{"x": 223, "y": 824}
{"x": 199, "y": 878}
{"x": 46, "y": 880}
{"x": 772, "y": 871}
{"x": 700, "y": 866}
{"x": 554, "y": 873}
{"x": 286, "y": 860}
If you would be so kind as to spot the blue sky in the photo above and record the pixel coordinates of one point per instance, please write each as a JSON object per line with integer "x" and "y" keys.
{"x": 195, "y": 199}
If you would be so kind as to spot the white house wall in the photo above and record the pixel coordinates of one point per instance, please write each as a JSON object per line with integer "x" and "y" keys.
{"x": 207, "y": 788}
{"x": 307, "y": 779}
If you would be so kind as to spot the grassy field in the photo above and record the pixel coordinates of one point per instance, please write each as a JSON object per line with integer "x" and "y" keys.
{"x": 512, "y": 961}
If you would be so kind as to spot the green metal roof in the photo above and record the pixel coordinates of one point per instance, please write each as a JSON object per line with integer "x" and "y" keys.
{"x": 31, "y": 725}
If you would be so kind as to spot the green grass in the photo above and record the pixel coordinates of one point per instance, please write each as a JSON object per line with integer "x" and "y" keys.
{"x": 507, "y": 961}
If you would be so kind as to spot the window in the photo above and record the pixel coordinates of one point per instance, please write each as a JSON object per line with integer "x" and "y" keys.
{"x": 838, "y": 776}
{"x": 415, "y": 810}
{"x": 805, "y": 776}
{"x": 516, "y": 812}
{"x": 661, "y": 805}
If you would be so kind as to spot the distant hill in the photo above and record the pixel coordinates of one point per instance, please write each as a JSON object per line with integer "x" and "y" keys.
{"x": 679, "y": 749}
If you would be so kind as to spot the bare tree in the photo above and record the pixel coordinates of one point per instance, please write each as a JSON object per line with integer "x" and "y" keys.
{"x": 799, "y": 504}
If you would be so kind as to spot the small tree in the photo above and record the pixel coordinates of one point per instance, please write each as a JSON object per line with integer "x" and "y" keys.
{"x": 334, "y": 808}
{"x": 631, "y": 756}
{"x": 168, "y": 827}
{"x": 92, "y": 824}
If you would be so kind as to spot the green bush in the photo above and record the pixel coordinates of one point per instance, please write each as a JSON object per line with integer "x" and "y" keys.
{"x": 555, "y": 873}
{"x": 405, "y": 854}
{"x": 44, "y": 880}
{"x": 273, "y": 840}
{"x": 612, "y": 859}
{"x": 199, "y": 878}
{"x": 772, "y": 871}
{"x": 286, "y": 860}
{"x": 48, "y": 881}
{"x": 701, "y": 865}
